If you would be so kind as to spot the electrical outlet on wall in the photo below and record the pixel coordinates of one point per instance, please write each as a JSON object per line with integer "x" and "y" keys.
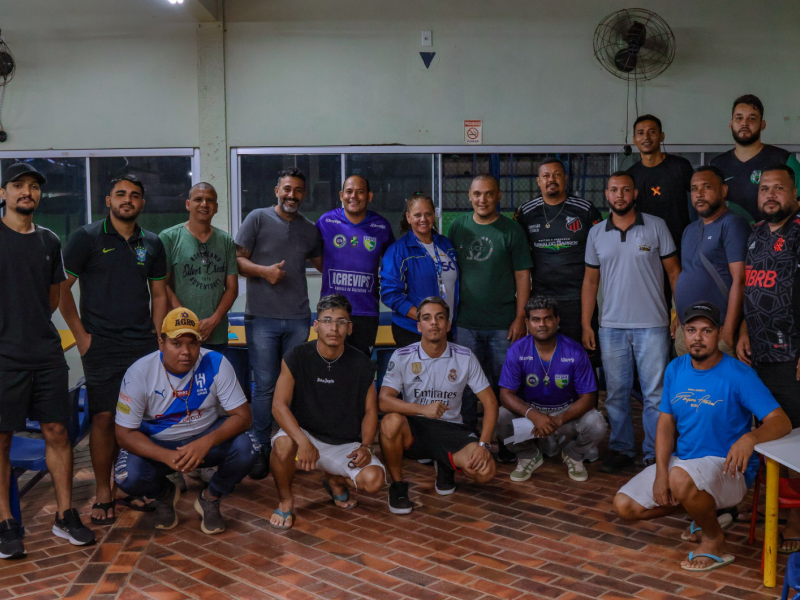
{"x": 427, "y": 38}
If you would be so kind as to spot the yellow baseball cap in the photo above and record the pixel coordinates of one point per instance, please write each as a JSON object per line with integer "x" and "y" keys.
{"x": 180, "y": 321}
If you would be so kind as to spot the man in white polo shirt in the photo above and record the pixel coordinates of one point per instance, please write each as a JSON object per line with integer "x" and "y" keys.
{"x": 426, "y": 423}
{"x": 168, "y": 420}
{"x": 626, "y": 252}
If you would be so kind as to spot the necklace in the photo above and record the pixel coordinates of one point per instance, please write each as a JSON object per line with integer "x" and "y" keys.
{"x": 182, "y": 394}
{"x": 546, "y": 379}
{"x": 544, "y": 212}
{"x": 330, "y": 362}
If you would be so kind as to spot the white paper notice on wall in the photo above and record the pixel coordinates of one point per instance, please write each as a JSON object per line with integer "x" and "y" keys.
{"x": 473, "y": 132}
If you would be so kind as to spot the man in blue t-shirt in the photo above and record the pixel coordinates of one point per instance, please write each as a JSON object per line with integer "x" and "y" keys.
{"x": 713, "y": 252}
{"x": 709, "y": 400}
{"x": 547, "y": 379}
{"x": 354, "y": 240}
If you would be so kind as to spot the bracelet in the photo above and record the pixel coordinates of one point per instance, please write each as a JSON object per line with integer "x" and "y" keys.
{"x": 369, "y": 449}
{"x": 527, "y": 411}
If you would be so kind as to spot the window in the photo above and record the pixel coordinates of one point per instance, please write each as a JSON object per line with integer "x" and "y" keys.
{"x": 62, "y": 207}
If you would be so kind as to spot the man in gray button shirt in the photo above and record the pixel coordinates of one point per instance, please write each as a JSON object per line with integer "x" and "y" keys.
{"x": 272, "y": 246}
{"x": 627, "y": 251}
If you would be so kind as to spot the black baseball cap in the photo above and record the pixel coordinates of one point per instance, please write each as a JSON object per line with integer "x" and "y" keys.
{"x": 702, "y": 309}
{"x": 18, "y": 170}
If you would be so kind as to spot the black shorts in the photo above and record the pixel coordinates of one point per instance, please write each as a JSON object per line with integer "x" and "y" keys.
{"x": 38, "y": 395}
{"x": 781, "y": 381}
{"x": 365, "y": 331}
{"x": 437, "y": 440}
{"x": 104, "y": 366}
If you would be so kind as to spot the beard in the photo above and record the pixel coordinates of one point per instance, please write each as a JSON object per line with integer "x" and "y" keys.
{"x": 701, "y": 354}
{"x": 713, "y": 208}
{"x": 776, "y": 217}
{"x": 24, "y": 211}
{"x": 746, "y": 140}
{"x": 552, "y": 192}
{"x": 621, "y": 212}
{"x": 126, "y": 218}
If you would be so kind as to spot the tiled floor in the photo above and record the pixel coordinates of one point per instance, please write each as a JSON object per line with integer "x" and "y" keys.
{"x": 547, "y": 538}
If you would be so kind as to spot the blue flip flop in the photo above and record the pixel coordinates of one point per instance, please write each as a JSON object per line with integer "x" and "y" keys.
{"x": 693, "y": 528}
{"x": 284, "y": 515}
{"x": 725, "y": 559}
{"x": 338, "y": 497}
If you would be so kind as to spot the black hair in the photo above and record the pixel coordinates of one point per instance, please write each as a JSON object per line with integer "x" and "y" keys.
{"x": 405, "y": 226}
{"x": 434, "y": 300}
{"x": 361, "y": 177}
{"x": 652, "y": 118}
{"x": 291, "y": 172}
{"x": 486, "y": 177}
{"x": 780, "y": 167}
{"x": 551, "y": 160}
{"x": 620, "y": 174}
{"x": 750, "y": 100}
{"x": 334, "y": 301}
{"x": 127, "y": 177}
{"x": 541, "y": 303}
{"x": 202, "y": 184}
{"x": 712, "y": 169}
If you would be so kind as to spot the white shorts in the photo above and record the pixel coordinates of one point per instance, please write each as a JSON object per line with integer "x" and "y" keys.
{"x": 333, "y": 458}
{"x": 706, "y": 473}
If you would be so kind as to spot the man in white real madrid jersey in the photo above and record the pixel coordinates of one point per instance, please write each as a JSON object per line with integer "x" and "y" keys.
{"x": 168, "y": 420}
{"x": 426, "y": 423}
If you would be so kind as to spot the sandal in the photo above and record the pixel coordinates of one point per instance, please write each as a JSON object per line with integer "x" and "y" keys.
{"x": 105, "y": 507}
{"x": 130, "y": 502}
{"x": 719, "y": 561}
{"x": 785, "y": 539}
{"x": 725, "y": 520}
{"x": 284, "y": 515}
{"x": 338, "y": 497}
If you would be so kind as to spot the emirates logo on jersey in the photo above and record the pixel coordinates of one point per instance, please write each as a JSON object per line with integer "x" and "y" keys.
{"x": 574, "y": 224}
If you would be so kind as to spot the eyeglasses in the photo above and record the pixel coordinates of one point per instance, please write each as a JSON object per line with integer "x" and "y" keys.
{"x": 337, "y": 322}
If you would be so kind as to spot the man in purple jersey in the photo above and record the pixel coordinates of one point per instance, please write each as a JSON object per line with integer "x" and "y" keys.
{"x": 354, "y": 240}
{"x": 548, "y": 380}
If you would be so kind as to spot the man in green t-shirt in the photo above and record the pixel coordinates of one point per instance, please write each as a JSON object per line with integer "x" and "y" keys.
{"x": 494, "y": 263}
{"x": 201, "y": 262}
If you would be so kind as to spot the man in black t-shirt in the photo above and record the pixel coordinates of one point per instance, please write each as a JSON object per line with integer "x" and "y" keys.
{"x": 770, "y": 335}
{"x": 34, "y": 378}
{"x": 122, "y": 271}
{"x": 557, "y": 225}
{"x": 326, "y": 405}
{"x": 744, "y": 164}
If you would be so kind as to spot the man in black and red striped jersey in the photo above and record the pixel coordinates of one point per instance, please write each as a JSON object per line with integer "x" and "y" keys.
{"x": 770, "y": 335}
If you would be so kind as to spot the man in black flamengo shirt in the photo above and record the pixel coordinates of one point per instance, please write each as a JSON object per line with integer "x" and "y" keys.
{"x": 557, "y": 225}
{"x": 769, "y": 338}
{"x": 327, "y": 407}
{"x": 744, "y": 164}
{"x": 34, "y": 379}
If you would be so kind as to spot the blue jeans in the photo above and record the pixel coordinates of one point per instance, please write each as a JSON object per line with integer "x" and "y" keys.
{"x": 648, "y": 348}
{"x": 489, "y": 346}
{"x": 268, "y": 341}
{"x": 139, "y": 476}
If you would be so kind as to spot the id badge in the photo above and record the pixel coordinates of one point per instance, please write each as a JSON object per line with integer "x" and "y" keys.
{"x": 442, "y": 292}
{"x": 180, "y": 393}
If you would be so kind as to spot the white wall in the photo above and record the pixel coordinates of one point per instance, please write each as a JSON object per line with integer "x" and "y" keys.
{"x": 99, "y": 74}
{"x": 322, "y": 72}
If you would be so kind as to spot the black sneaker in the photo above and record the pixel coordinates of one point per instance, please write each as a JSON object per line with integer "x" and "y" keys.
{"x": 445, "y": 479}
{"x": 399, "y": 503}
{"x": 11, "y": 539}
{"x": 504, "y": 455}
{"x": 165, "y": 515}
{"x": 648, "y": 462}
{"x": 260, "y": 467}
{"x": 71, "y": 528}
{"x": 212, "y": 521}
{"x": 616, "y": 462}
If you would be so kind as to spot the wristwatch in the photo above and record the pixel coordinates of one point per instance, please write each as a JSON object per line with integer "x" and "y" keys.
{"x": 485, "y": 445}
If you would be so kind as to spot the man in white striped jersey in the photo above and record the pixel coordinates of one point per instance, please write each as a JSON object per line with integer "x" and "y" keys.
{"x": 557, "y": 225}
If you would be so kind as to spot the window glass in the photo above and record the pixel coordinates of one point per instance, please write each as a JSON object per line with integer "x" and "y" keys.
{"x": 393, "y": 178}
{"x": 63, "y": 204}
{"x": 259, "y": 175}
{"x": 166, "y": 180}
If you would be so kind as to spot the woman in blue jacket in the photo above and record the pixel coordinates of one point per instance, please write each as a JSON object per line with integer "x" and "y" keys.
{"x": 422, "y": 263}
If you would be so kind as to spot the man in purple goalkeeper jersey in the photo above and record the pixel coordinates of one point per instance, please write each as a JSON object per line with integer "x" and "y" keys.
{"x": 354, "y": 240}
{"x": 547, "y": 379}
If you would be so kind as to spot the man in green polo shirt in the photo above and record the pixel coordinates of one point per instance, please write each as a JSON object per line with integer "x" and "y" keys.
{"x": 122, "y": 271}
{"x": 495, "y": 264}
{"x": 201, "y": 261}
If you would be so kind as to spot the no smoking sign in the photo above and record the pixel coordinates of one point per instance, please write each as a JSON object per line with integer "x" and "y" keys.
{"x": 473, "y": 132}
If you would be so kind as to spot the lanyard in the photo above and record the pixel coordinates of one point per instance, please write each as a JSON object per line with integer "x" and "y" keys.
{"x": 439, "y": 268}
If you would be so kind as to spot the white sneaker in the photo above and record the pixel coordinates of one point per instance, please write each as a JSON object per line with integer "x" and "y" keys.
{"x": 575, "y": 468}
{"x": 526, "y": 467}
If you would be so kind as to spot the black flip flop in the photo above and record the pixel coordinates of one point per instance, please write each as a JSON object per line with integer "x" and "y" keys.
{"x": 104, "y": 506}
{"x": 130, "y": 502}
